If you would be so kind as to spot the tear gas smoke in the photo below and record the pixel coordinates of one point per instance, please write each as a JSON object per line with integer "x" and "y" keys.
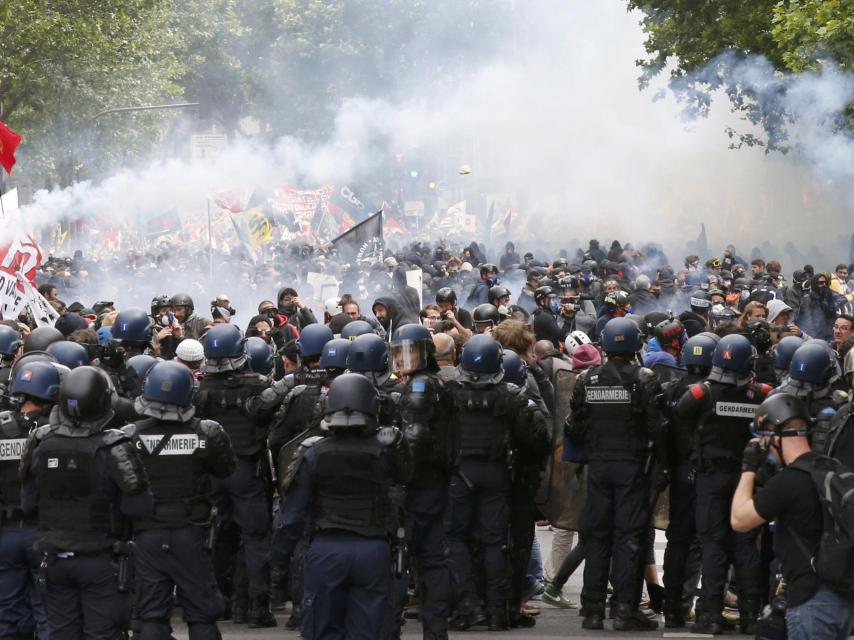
{"x": 555, "y": 121}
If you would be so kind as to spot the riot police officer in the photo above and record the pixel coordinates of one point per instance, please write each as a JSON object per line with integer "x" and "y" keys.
{"x": 426, "y": 415}
{"x": 181, "y": 453}
{"x": 260, "y": 356}
{"x": 243, "y": 498}
{"x": 723, "y": 407}
{"x": 40, "y": 338}
{"x": 339, "y": 484}
{"x": 10, "y": 345}
{"x": 835, "y": 437}
{"x": 83, "y": 482}
{"x": 34, "y": 390}
{"x": 131, "y": 336}
{"x": 69, "y": 354}
{"x": 615, "y": 415}
{"x": 696, "y": 357}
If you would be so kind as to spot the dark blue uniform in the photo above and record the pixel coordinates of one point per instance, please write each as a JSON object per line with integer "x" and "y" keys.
{"x": 338, "y": 486}
{"x": 21, "y": 607}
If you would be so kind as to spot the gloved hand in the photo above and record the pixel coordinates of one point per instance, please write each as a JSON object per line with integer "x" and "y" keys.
{"x": 753, "y": 457}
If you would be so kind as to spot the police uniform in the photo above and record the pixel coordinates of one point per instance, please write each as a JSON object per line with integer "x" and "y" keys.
{"x": 244, "y": 498}
{"x": 338, "y": 487}
{"x": 615, "y": 415}
{"x": 180, "y": 454}
{"x": 21, "y": 608}
{"x": 723, "y": 413}
{"x": 83, "y": 485}
{"x": 426, "y": 415}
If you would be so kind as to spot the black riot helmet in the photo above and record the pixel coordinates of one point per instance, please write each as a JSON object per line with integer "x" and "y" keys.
{"x": 70, "y": 354}
{"x": 776, "y": 411}
{"x": 650, "y": 320}
{"x": 496, "y": 293}
{"x": 182, "y": 300}
{"x": 485, "y": 316}
{"x": 543, "y": 292}
{"x": 142, "y": 364}
{"x": 351, "y": 402}
{"x": 10, "y": 340}
{"x": 158, "y": 302}
{"x": 41, "y": 337}
{"x": 446, "y": 294}
{"x": 515, "y": 369}
{"x": 86, "y": 398}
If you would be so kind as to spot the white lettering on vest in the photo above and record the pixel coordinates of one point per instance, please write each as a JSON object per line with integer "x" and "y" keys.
{"x": 735, "y": 410}
{"x": 608, "y": 395}
{"x": 12, "y": 449}
{"x": 183, "y": 444}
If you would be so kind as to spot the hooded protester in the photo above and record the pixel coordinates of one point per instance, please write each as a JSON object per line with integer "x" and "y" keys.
{"x": 391, "y": 315}
{"x": 818, "y": 309}
{"x": 292, "y": 307}
{"x": 510, "y": 257}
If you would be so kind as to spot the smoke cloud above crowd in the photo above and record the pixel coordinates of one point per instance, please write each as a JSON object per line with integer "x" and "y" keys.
{"x": 552, "y": 117}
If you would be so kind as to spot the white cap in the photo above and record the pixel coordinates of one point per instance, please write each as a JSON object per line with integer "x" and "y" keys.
{"x": 190, "y": 350}
{"x": 333, "y": 306}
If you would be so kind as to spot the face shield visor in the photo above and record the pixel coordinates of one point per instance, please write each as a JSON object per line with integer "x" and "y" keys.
{"x": 408, "y": 356}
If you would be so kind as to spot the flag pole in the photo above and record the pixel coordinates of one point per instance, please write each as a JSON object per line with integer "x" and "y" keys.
{"x": 210, "y": 245}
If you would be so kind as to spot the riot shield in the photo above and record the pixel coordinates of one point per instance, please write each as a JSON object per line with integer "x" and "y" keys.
{"x": 561, "y": 494}
{"x": 668, "y": 373}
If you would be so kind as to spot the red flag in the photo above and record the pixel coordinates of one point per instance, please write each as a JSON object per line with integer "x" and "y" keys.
{"x": 9, "y": 141}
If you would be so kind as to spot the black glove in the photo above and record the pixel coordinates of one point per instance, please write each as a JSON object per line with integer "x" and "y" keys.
{"x": 754, "y": 455}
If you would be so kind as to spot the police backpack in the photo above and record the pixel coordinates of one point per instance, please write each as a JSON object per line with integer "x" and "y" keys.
{"x": 834, "y": 562}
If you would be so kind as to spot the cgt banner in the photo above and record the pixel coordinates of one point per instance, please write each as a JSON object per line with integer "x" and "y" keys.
{"x": 19, "y": 256}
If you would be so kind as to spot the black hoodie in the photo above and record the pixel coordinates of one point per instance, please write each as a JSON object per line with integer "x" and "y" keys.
{"x": 397, "y": 316}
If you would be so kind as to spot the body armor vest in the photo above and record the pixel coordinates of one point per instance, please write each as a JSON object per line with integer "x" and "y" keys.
{"x": 13, "y": 436}
{"x": 680, "y": 435}
{"x": 71, "y": 497}
{"x": 351, "y": 486}
{"x": 223, "y": 397}
{"x": 302, "y": 411}
{"x": 180, "y": 487}
{"x": 482, "y": 421}
{"x": 724, "y": 430}
{"x": 827, "y": 428}
{"x": 616, "y": 430}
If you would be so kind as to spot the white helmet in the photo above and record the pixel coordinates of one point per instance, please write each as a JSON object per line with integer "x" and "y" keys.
{"x": 575, "y": 340}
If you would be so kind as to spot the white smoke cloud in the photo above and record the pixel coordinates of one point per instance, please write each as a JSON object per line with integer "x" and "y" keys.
{"x": 555, "y": 118}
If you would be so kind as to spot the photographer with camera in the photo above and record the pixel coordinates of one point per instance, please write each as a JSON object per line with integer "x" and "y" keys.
{"x": 814, "y": 611}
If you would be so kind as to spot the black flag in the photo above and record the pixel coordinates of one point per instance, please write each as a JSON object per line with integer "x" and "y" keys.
{"x": 364, "y": 242}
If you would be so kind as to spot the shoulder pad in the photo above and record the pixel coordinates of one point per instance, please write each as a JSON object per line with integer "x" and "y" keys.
{"x": 295, "y": 392}
{"x": 310, "y": 442}
{"x": 129, "y": 430}
{"x": 765, "y": 388}
{"x": 7, "y": 417}
{"x": 42, "y": 432}
{"x": 698, "y": 391}
{"x": 113, "y": 436}
{"x": 296, "y": 460}
{"x": 646, "y": 374}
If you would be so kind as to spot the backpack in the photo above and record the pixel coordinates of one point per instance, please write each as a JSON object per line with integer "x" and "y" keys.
{"x": 834, "y": 562}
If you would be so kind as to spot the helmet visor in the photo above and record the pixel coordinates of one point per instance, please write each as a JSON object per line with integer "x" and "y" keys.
{"x": 408, "y": 356}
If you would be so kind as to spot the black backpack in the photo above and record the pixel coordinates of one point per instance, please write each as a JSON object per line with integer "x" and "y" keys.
{"x": 834, "y": 562}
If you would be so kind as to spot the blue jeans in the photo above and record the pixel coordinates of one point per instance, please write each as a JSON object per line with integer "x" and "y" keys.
{"x": 825, "y": 616}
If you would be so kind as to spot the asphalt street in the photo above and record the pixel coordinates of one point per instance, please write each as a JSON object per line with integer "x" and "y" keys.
{"x": 551, "y": 623}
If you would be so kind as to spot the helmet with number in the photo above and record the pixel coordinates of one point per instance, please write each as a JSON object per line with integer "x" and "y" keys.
{"x": 446, "y": 294}
{"x": 167, "y": 392}
{"x": 811, "y": 365}
{"x": 352, "y": 401}
{"x": 783, "y": 352}
{"x": 481, "y": 359}
{"x": 182, "y": 300}
{"x": 142, "y": 364}
{"x": 70, "y": 354}
{"x": 575, "y": 340}
{"x": 334, "y": 355}
{"x": 353, "y": 330}
{"x": 158, "y": 302}
{"x": 670, "y": 334}
{"x": 732, "y": 362}
{"x": 312, "y": 338}
{"x": 496, "y": 294}
{"x": 412, "y": 348}
{"x": 10, "y": 341}
{"x": 224, "y": 349}
{"x": 368, "y": 353}
{"x": 485, "y": 316}
{"x": 41, "y": 338}
{"x": 515, "y": 369}
{"x": 776, "y": 411}
{"x": 86, "y": 398}
{"x": 759, "y": 333}
{"x": 132, "y": 326}
{"x": 617, "y": 301}
{"x": 698, "y": 350}
{"x": 40, "y": 380}
{"x": 621, "y": 336}
{"x": 259, "y": 355}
